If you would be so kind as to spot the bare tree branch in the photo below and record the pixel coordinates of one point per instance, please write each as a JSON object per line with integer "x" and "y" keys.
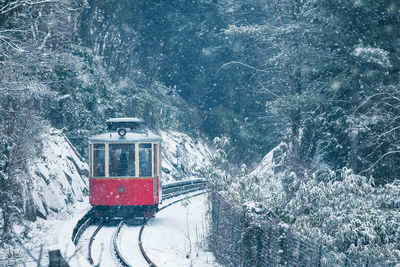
{"x": 383, "y": 156}
{"x": 367, "y": 100}
{"x": 246, "y": 65}
{"x": 13, "y": 5}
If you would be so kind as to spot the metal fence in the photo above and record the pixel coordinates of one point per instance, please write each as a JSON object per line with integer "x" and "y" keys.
{"x": 235, "y": 240}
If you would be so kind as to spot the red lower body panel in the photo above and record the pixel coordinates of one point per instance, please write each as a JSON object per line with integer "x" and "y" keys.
{"x": 123, "y": 192}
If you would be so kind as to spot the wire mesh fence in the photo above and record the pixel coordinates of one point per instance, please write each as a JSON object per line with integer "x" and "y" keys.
{"x": 235, "y": 240}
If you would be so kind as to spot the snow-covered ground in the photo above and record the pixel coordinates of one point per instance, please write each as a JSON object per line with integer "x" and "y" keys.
{"x": 129, "y": 246}
{"x": 51, "y": 233}
{"x": 58, "y": 190}
{"x": 178, "y": 235}
{"x": 101, "y": 248}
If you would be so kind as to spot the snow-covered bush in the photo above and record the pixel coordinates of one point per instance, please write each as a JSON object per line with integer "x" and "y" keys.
{"x": 218, "y": 173}
{"x": 373, "y": 55}
{"x": 347, "y": 214}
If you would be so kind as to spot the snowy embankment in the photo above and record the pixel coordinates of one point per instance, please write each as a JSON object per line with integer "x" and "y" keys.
{"x": 182, "y": 157}
{"x": 269, "y": 173}
{"x": 351, "y": 218}
{"x": 59, "y": 176}
{"x": 268, "y": 164}
{"x": 59, "y": 186}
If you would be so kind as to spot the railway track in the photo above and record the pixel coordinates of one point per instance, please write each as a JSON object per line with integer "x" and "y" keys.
{"x": 180, "y": 188}
{"x": 169, "y": 191}
{"x": 115, "y": 248}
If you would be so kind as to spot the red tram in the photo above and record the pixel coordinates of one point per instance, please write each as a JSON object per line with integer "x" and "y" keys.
{"x": 124, "y": 176}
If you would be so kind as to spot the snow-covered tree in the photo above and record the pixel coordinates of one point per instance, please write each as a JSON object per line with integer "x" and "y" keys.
{"x": 33, "y": 37}
{"x": 322, "y": 66}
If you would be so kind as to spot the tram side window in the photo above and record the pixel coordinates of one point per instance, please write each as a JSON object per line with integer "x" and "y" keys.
{"x": 145, "y": 159}
{"x": 98, "y": 160}
{"x": 122, "y": 159}
{"x": 90, "y": 160}
{"x": 155, "y": 152}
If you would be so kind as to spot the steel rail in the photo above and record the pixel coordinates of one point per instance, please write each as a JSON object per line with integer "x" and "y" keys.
{"x": 81, "y": 226}
{"x": 90, "y": 258}
{"x": 183, "y": 184}
{"x": 117, "y": 255}
{"x": 179, "y": 188}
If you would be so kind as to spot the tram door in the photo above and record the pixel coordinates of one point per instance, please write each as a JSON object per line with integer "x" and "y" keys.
{"x": 122, "y": 166}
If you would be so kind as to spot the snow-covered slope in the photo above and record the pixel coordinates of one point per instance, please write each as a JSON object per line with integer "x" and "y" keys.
{"x": 271, "y": 161}
{"x": 182, "y": 156}
{"x": 268, "y": 176}
{"x": 59, "y": 175}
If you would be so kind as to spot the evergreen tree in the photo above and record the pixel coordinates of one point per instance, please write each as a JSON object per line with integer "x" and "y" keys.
{"x": 360, "y": 37}
{"x": 322, "y": 65}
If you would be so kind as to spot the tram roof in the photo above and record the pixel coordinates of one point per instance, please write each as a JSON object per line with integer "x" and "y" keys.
{"x": 130, "y": 137}
{"x": 124, "y": 120}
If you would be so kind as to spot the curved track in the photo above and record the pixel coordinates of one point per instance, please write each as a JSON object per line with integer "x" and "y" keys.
{"x": 115, "y": 248}
{"x": 169, "y": 191}
{"x": 90, "y": 258}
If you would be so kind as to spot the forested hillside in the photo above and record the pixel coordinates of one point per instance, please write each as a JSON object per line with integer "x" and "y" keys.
{"x": 320, "y": 77}
{"x": 329, "y": 71}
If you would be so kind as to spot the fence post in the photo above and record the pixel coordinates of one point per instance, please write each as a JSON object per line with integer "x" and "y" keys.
{"x": 56, "y": 259}
{"x": 282, "y": 245}
{"x": 319, "y": 255}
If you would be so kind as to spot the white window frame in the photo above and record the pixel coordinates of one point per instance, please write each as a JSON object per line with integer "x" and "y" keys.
{"x": 155, "y": 149}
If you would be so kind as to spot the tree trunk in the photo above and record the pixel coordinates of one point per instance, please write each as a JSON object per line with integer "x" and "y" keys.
{"x": 295, "y": 116}
{"x": 6, "y": 221}
{"x": 88, "y": 25}
{"x": 354, "y": 134}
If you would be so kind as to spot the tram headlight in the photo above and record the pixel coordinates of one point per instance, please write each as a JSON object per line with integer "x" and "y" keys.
{"x": 122, "y": 131}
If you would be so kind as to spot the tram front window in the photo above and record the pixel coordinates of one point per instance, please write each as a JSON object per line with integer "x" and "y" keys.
{"x": 98, "y": 160}
{"x": 145, "y": 160}
{"x": 122, "y": 159}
